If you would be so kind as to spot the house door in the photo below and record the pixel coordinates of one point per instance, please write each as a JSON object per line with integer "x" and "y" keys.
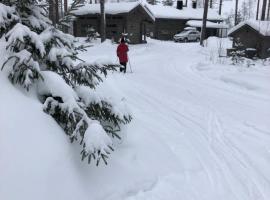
{"x": 143, "y": 32}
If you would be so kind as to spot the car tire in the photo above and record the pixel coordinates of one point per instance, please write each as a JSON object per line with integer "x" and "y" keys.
{"x": 198, "y": 39}
{"x": 185, "y": 40}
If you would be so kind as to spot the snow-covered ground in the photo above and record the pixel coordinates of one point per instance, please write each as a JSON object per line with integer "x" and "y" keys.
{"x": 201, "y": 131}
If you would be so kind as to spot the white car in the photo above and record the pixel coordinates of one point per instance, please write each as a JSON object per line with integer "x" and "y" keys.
{"x": 187, "y": 35}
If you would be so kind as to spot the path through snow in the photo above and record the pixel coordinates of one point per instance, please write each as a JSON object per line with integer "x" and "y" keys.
{"x": 218, "y": 132}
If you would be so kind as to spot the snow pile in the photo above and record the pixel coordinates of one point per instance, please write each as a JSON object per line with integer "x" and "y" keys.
{"x": 263, "y": 27}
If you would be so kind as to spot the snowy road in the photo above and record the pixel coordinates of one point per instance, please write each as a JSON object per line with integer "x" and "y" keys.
{"x": 217, "y": 127}
{"x": 201, "y": 131}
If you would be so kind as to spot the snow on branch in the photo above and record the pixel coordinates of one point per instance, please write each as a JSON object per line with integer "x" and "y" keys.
{"x": 21, "y": 37}
{"x": 24, "y": 69}
{"x": 8, "y": 16}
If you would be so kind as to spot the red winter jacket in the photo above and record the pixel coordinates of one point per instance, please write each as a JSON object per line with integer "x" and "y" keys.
{"x": 122, "y": 50}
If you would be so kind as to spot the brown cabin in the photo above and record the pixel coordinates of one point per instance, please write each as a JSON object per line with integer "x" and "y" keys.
{"x": 131, "y": 18}
{"x": 252, "y": 35}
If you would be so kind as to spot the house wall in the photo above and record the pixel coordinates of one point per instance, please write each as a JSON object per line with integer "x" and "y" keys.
{"x": 265, "y": 53}
{"x": 135, "y": 24}
{"x": 115, "y": 25}
{"x": 165, "y": 29}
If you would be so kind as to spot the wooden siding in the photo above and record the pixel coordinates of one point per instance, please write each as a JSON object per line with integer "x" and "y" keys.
{"x": 165, "y": 29}
{"x": 115, "y": 25}
{"x": 135, "y": 24}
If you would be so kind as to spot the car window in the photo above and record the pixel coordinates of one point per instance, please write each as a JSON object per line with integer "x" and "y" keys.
{"x": 184, "y": 32}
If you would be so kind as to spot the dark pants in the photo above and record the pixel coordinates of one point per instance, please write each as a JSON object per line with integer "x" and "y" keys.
{"x": 124, "y": 67}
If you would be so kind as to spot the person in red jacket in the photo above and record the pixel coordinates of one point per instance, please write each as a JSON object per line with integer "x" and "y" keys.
{"x": 122, "y": 50}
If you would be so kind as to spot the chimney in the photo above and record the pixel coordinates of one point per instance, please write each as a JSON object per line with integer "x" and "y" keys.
{"x": 194, "y": 4}
{"x": 179, "y": 5}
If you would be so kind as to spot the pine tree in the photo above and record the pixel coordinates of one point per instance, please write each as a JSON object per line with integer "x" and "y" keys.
{"x": 42, "y": 59}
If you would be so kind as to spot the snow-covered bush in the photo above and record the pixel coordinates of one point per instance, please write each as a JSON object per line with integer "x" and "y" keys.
{"x": 91, "y": 34}
{"x": 237, "y": 57}
{"x": 45, "y": 57}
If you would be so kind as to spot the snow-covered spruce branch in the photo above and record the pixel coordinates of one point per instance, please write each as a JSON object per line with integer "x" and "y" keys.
{"x": 77, "y": 125}
{"x": 73, "y": 111}
{"x": 111, "y": 114}
{"x": 90, "y": 74}
{"x": 25, "y": 71}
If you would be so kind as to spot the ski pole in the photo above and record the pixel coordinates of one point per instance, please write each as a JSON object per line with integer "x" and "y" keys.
{"x": 130, "y": 65}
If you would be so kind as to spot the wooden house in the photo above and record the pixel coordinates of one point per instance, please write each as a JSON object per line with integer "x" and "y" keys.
{"x": 131, "y": 18}
{"x": 170, "y": 21}
{"x": 252, "y": 34}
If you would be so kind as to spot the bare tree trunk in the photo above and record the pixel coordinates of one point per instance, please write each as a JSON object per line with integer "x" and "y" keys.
{"x": 263, "y": 10}
{"x": 102, "y": 20}
{"x": 205, "y": 12}
{"x": 236, "y": 13}
{"x": 211, "y": 3}
{"x": 65, "y": 6}
{"x": 220, "y": 7}
{"x": 258, "y": 8}
{"x": 56, "y": 11}
{"x": 52, "y": 11}
{"x": 268, "y": 10}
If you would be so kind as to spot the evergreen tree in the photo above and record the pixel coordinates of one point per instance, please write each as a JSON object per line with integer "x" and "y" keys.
{"x": 42, "y": 59}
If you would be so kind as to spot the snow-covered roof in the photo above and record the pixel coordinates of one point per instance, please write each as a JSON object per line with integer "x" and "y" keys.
{"x": 169, "y": 12}
{"x": 154, "y": 11}
{"x": 110, "y": 8}
{"x": 263, "y": 27}
{"x": 198, "y": 23}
